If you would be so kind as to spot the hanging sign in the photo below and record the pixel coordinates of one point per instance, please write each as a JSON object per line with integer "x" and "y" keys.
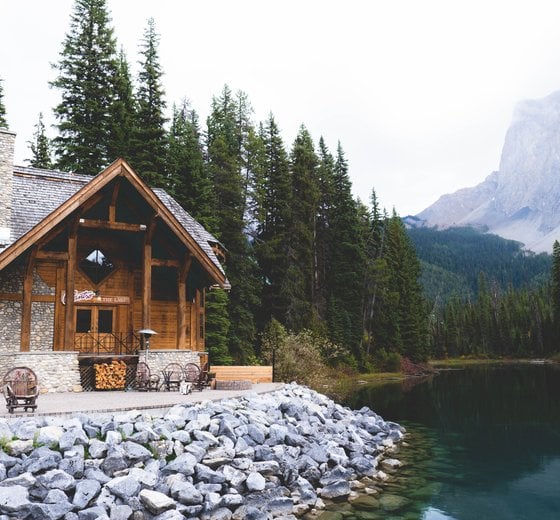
{"x": 92, "y": 297}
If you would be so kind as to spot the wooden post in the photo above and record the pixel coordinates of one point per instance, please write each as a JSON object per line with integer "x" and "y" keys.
{"x": 71, "y": 267}
{"x": 147, "y": 275}
{"x": 182, "y": 274}
{"x": 25, "y": 339}
{"x": 58, "y": 342}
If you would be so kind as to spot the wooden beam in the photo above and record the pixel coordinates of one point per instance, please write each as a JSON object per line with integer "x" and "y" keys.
{"x": 58, "y": 340}
{"x": 182, "y": 274}
{"x": 159, "y": 262}
{"x": 112, "y": 226}
{"x": 147, "y": 274}
{"x": 114, "y": 197}
{"x": 25, "y": 338}
{"x": 52, "y": 255}
{"x": 71, "y": 267}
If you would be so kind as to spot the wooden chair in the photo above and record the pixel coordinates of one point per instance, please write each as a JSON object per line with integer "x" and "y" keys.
{"x": 21, "y": 388}
{"x": 192, "y": 374}
{"x": 197, "y": 376}
{"x": 173, "y": 374}
{"x": 144, "y": 380}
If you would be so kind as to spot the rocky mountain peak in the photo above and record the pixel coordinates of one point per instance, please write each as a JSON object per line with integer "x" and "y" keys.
{"x": 521, "y": 201}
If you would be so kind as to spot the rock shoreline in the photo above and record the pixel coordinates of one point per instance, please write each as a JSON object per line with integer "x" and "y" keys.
{"x": 275, "y": 455}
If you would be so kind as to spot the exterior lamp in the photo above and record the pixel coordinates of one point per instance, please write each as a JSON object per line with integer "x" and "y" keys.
{"x": 146, "y": 335}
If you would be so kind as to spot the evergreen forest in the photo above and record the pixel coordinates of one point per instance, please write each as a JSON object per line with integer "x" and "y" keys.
{"x": 305, "y": 258}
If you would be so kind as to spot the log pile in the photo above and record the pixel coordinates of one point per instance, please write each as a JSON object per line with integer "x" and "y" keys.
{"x": 110, "y": 376}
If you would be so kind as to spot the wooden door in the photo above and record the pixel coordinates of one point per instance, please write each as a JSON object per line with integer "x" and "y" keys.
{"x": 96, "y": 329}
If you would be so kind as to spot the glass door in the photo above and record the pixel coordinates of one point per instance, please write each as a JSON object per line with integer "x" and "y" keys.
{"x": 95, "y": 329}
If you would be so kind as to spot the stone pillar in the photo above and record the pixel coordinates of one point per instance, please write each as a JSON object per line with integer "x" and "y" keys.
{"x": 7, "y": 141}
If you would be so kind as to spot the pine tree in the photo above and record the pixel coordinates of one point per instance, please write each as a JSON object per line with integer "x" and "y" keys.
{"x": 273, "y": 210}
{"x": 323, "y": 241}
{"x": 40, "y": 146}
{"x": 555, "y": 284}
{"x": 148, "y": 157}
{"x": 122, "y": 111}
{"x": 217, "y": 327}
{"x": 298, "y": 285}
{"x": 3, "y": 120}
{"x": 228, "y": 128}
{"x": 347, "y": 262}
{"x": 186, "y": 176}
{"x": 407, "y": 313}
{"x": 87, "y": 69}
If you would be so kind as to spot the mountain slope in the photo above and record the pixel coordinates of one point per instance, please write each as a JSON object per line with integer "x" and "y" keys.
{"x": 521, "y": 201}
{"x": 453, "y": 259}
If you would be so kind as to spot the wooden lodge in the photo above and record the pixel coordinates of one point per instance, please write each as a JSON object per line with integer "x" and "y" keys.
{"x": 88, "y": 262}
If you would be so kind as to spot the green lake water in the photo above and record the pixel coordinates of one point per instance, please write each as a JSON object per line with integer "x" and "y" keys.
{"x": 483, "y": 444}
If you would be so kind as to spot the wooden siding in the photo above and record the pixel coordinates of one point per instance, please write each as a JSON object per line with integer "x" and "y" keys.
{"x": 255, "y": 374}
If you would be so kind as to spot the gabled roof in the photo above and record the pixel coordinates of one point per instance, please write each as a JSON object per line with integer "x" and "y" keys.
{"x": 43, "y": 198}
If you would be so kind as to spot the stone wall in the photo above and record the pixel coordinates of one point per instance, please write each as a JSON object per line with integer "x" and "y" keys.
{"x": 10, "y": 326}
{"x": 56, "y": 371}
{"x": 158, "y": 359}
{"x": 7, "y": 141}
{"x": 42, "y": 326}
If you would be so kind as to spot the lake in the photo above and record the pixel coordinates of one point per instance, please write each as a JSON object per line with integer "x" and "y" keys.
{"x": 483, "y": 443}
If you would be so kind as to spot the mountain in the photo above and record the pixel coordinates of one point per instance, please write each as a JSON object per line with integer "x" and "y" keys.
{"x": 453, "y": 259}
{"x": 521, "y": 201}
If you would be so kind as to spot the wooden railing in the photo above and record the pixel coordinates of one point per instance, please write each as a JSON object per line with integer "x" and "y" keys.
{"x": 255, "y": 374}
{"x": 118, "y": 343}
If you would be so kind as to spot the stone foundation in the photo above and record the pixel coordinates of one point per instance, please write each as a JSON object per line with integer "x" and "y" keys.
{"x": 233, "y": 385}
{"x": 56, "y": 371}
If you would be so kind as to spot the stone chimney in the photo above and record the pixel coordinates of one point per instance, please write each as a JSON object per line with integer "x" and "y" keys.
{"x": 7, "y": 141}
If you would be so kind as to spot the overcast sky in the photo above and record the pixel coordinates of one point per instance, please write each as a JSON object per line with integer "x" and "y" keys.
{"x": 420, "y": 93}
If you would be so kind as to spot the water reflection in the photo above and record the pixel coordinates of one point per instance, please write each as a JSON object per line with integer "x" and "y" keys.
{"x": 484, "y": 443}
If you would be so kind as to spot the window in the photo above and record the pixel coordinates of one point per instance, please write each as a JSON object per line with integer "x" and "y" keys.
{"x": 83, "y": 320}
{"x": 96, "y": 266}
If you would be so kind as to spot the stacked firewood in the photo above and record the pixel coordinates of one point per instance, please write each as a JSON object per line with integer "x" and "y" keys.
{"x": 110, "y": 376}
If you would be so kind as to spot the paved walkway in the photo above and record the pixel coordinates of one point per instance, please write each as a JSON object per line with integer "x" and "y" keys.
{"x": 107, "y": 401}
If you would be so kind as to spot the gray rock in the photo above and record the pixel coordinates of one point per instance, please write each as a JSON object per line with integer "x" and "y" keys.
{"x": 113, "y": 437}
{"x": 182, "y": 436}
{"x": 249, "y": 513}
{"x": 57, "y": 479}
{"x": 123, "y": 487}
{"x": 255, "y": 482}
{"x": 50, "y": 511}
{"x": 280, "y": 506}
{"x": 135, "y": 452}
{"x": 49, "y": 435}
{"x": 13, "y": 499}
{"x": 234, "y": 476}
{"x": 256, "y": 432}
{"x": 232, "y": 500}
{"x": 86, "y": 492}
{"x": 146, "y": 478}
{"x": 97, "y": 448}
{"x": 205, "y": 437}
{"x": 73, "y": 466}
{"x": 206, "y": 474}
{"x": 92, "y": 513}
{"x": 18, "y": 447}
{"x": 186, "y": 493}
{"x": 336, "y": 490}
{"x": 24, "y": 429}
{"x": 156, "y": 502}
{"x": 123, "y": 512}
{"x": 114, "y": 462}
{"x": 6, "y": 460}
{"x": 26, "y": 480}
{"x": 267, "y": 467}
{"x": 222, "y": 513}
{"x": 184, "y": 463}
{"x": 317, "y": 453}
{"x": 54, "y": 496}
{"x": 96, "y": 474}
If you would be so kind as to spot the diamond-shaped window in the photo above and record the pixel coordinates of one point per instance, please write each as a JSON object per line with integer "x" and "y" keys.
{"x": 97, "y": 266}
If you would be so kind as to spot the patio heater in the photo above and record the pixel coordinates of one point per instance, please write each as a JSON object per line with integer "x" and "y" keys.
{"x": 146, "y": 335}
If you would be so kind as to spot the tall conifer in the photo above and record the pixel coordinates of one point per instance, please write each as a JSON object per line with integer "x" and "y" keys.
{"x": 86, "y": 73}
{"x": 40, "y": 146}
{"x": 149, "y": 133}
{"x": 555, "y": 284}
{"x": 122, "y": 112}
{"x": 298, "y": 285}
{"x": 228, "y": 128}
{"x": 186, "y": 175}
{"x": 3, "y": 120}
{"x": 347, "y": 261}
{"x": 273, "y": 218}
